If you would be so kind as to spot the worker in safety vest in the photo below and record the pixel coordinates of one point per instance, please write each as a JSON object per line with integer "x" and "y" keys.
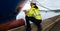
{"x": 33, "y": 15}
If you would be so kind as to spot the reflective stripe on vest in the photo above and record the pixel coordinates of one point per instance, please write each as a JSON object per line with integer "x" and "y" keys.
{"x": 37, "y": 14}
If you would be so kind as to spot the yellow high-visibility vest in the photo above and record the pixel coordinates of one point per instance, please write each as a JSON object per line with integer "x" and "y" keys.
{"x": 33, "y": 12}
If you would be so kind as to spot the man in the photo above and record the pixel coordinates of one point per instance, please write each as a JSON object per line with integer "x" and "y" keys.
{"x": 9, "y": 10}
{"x": 33, "y": 15}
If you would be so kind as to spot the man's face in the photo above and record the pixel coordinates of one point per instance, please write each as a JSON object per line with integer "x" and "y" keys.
{"x": 32, "y": 5}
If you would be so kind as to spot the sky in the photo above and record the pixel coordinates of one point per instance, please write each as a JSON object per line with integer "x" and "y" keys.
{"x": 52, "y": 4}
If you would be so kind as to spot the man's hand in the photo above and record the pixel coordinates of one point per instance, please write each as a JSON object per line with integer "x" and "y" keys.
{"x": 25, "y": 11}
